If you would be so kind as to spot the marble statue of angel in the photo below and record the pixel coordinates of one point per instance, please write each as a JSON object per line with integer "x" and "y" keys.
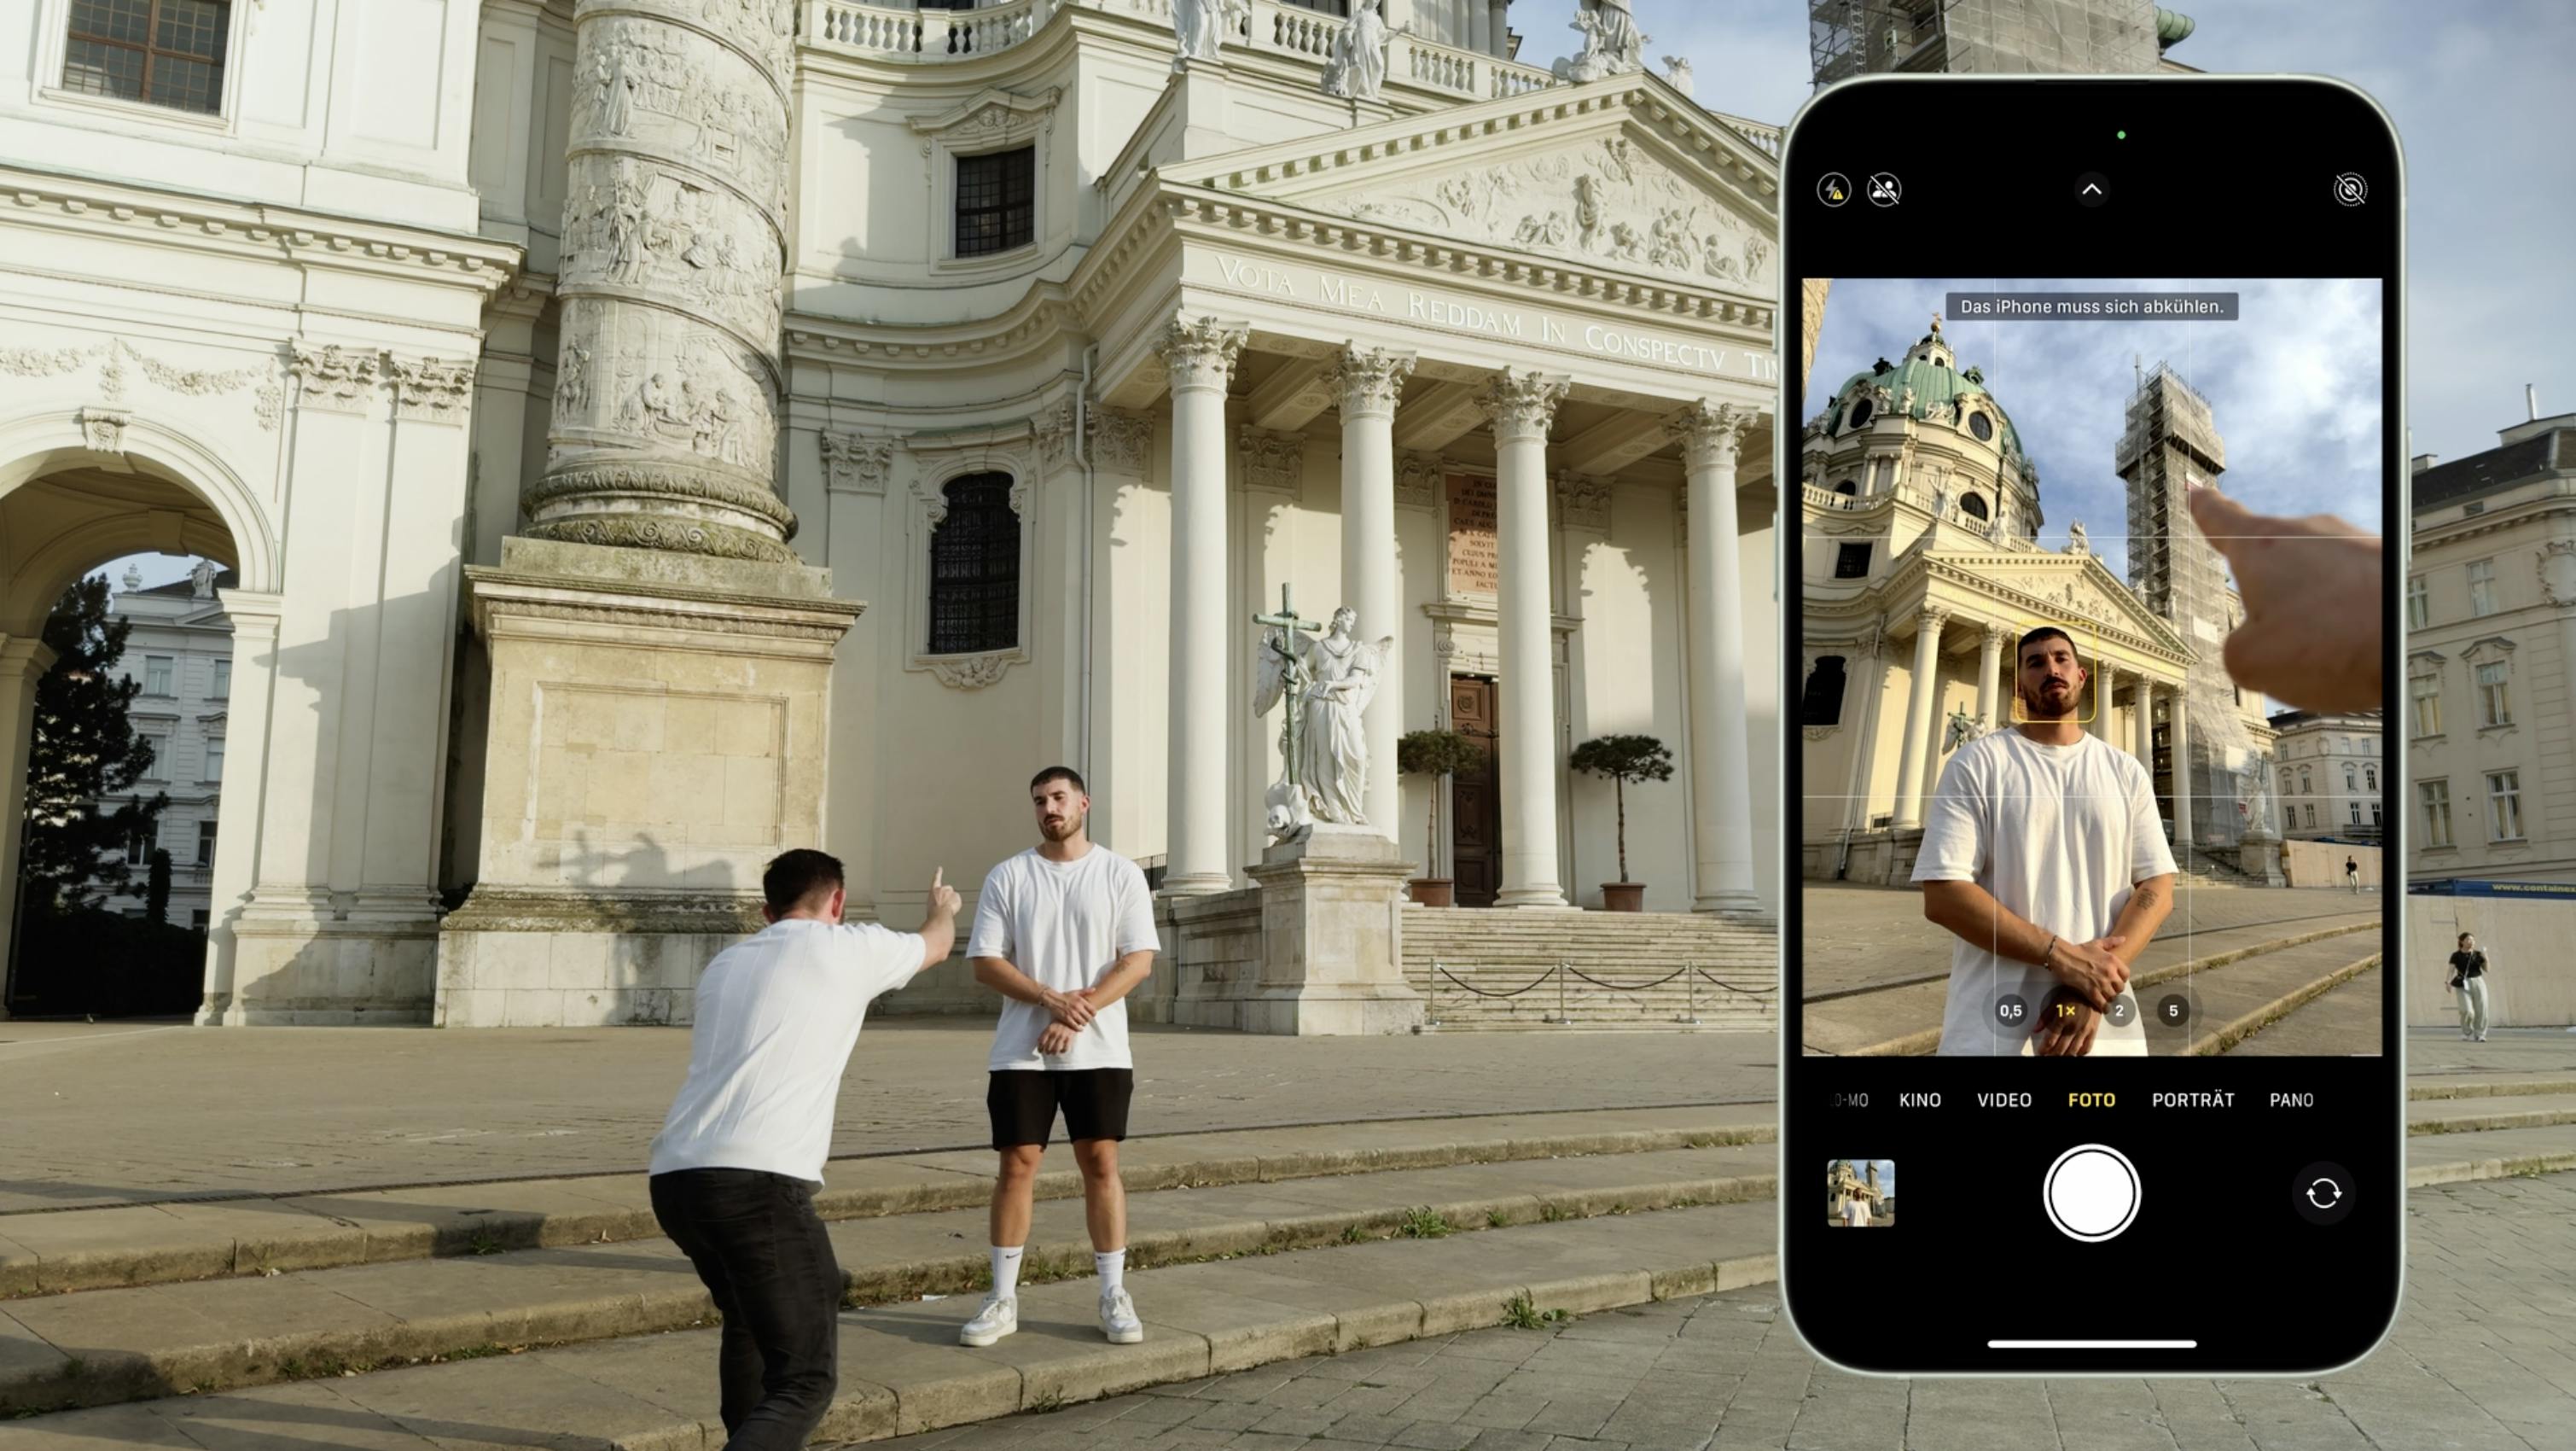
{"x": 1963, "y": 728}
{"x": 1329, "y": 681}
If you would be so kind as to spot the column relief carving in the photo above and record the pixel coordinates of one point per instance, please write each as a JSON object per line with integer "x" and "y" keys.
{"x": 1522, "y": 404}
{"x": 1201, "y": 353}
{"x": 1369, "y": 380}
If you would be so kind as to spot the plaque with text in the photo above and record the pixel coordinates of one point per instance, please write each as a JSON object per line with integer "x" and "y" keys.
{"x": 1474, "y": 567}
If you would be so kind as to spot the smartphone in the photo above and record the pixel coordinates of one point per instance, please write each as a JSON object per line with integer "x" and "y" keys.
{"x": 2093, "y": 944}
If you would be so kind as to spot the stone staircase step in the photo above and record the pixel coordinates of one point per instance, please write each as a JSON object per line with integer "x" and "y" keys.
{"x": 2457, "y": 1158}
{"x": 85, "y": 1249}
{"x": 2232, "y": 985}
{"x": 106, "y": 1346}
{"x": 902, "y": 1371}
{"x": 2474, "y": 1115}
{"x": 2485, "y": 1085}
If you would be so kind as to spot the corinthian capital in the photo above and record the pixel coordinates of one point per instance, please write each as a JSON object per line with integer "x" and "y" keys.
{"x": 1200, "y": 354}
{"x": 1711, "y": 432}
{"x": 1520, "y": 403}
{"x": 1367, "y": 380}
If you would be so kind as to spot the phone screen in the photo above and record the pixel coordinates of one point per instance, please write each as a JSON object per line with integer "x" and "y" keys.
{"x": 2094, "y": 946}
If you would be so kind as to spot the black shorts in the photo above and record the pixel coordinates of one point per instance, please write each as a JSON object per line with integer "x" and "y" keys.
{"x": 1023, "y": 1103}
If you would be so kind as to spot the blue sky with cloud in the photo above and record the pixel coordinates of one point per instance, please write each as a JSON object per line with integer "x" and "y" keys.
{"x": 2293, "y": 386}
{"x": 2480, "y": 95}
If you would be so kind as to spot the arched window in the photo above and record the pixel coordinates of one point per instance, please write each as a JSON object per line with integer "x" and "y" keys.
{"x": 1860, "y": 413}
{"x": 1974, "y": 506}
{"x": 975, "y": 568}
{"x": 1822, "y": 702}
{"x": 1847, "y": 487}
{"x": 1982, "y": 426}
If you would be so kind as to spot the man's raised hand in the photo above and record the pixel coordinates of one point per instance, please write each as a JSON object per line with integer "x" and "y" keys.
{"x": 2312, "y": 588}
{"x": 944, "y": 900}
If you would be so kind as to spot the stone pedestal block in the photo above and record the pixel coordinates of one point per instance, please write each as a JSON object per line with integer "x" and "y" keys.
{"x": 1331, "y": 938}
{"x": 659, "y": 731}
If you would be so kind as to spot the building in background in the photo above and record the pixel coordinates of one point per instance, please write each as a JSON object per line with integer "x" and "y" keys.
{"x": 181, "y": 649}
{"x": 2490, "y": 657}
{"x": 1991, "y": 37}
{"x": 2326, "y": 775}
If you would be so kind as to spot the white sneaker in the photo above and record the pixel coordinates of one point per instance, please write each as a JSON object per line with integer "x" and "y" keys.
{"x": 998, "y": 1318}
{"x": 1118, "y": 1319}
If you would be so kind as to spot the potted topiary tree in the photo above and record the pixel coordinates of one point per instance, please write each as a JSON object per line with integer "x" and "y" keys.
{"x": 1624, "y": 759}
{"x": 1434, "y": 754}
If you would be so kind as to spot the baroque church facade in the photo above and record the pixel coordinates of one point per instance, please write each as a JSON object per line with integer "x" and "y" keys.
{"x": 1923, "y": 565}
{"x": 649, "y": 434}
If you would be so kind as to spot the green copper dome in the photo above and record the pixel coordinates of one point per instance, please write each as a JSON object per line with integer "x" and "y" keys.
{"x": 1932, "y": 384}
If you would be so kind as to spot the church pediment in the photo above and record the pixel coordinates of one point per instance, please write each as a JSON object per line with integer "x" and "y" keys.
{"x": 2078, "y": 589}
{"x": 1637, "y": 185}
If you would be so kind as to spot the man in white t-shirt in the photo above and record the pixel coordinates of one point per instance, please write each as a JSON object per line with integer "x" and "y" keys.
{"x": 1063, "y": 931}
{"x": 2043, "y": 853}
{"x": 741, "y": 1154}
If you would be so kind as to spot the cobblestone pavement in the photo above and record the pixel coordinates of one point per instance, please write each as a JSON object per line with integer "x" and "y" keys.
{"x": 121, "y": 1112}
{"x": 2483, "y": 1359}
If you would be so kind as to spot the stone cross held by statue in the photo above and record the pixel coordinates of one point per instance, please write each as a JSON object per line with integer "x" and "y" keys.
{"x": 1294, "y": 670}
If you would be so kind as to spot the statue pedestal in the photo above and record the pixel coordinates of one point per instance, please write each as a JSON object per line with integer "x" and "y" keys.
{"x": 1331, "y": 938}
{"x": 2259, "y": 857}
{"x": 659, "y": 724}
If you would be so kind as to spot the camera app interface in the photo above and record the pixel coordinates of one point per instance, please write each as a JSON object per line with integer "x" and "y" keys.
{"x": 2039, "y": 818}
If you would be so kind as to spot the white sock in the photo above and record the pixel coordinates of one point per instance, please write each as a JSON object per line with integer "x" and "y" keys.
{"x": 1112, "y": 1269}
{"x": 1006, "y": 1271}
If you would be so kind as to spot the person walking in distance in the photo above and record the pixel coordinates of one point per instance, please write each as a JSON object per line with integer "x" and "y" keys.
{"x": 2352, "y": 875}
{"x": 1063, "y": 931}
{"x": 736, "y": 1165}
{"x": 2469, "y": 980}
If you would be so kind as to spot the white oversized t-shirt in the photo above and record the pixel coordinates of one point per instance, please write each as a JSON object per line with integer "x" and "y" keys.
{"x": 776, "y": 1018}
{"x": 2060, "y": 835}
{"x": 1063, "y": 924}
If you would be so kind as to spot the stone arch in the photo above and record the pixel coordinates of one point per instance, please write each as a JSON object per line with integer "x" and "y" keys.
{"x": 35, "y": 446}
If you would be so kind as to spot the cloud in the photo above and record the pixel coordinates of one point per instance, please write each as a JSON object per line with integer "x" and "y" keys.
{"x": 2293, "y": 387}
{"x": 2482, "y": 107}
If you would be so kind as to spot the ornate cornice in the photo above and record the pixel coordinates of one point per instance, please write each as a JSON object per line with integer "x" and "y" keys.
{"x": 1367, "y": 381}
{"x": 259, "y": 231}
{"x": 1201, "y": 353}
{"x": 1521, "y": 404}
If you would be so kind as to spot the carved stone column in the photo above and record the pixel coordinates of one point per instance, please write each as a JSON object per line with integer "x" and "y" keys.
{"x": 1919, "y": 742}
{"x": 2142, "y": 726}
{"x": 1367, "y": 383}
{"x": 1521, "y": 406}
{"x": 1200, "y": 356}
{"x": 1989, "y": 676}
{"x": 2105, "y": 688}
{"x": 665, "y": 425}
{"x": 1721, "y": 808}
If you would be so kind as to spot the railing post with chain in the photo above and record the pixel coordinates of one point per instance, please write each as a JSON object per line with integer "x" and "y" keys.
{"x": 1431, "y": 1010}
{"x": 1562, "y": 1017}
{"x": 1690, "y": 990}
